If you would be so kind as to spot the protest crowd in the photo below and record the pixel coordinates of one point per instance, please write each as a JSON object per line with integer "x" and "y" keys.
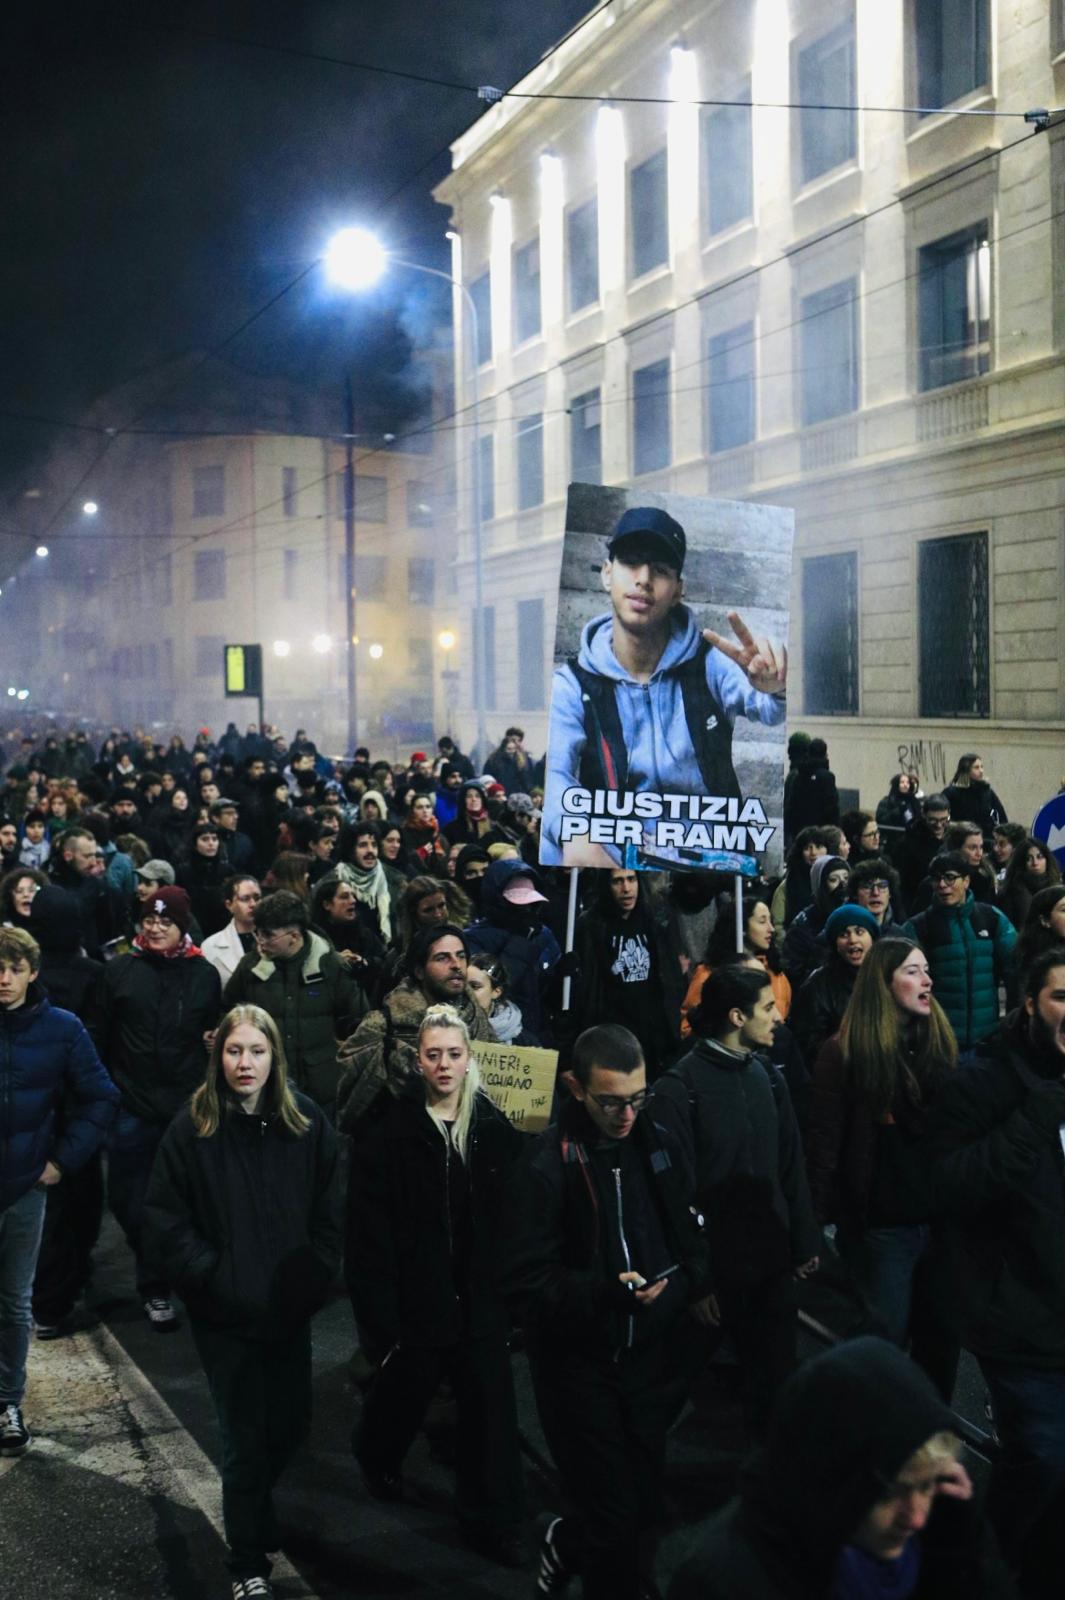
{"x": 243, "y": 988}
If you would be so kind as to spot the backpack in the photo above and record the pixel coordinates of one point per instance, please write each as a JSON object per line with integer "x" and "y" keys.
{"x": 604, "y": 761}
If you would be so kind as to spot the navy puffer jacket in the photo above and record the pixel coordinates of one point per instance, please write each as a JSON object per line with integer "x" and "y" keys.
{"x": 47, "y": 1060}
{"x": 516, "y": 934}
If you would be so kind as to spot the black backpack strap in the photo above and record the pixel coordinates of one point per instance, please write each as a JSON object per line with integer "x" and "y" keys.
{"x": 708, "y": 726}
{"x": 604, "y": 760}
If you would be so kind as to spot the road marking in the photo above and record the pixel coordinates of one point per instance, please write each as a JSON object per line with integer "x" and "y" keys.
{"x": 88, "y": 1402}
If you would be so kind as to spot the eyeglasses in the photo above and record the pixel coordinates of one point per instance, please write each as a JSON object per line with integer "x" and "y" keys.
{"x": 871, "y": 833}
{"x": 616, "y": 1105}
{"x": 945, "y": 877}
{"x": 157, "y": 922}
{"x": 878, "y": 883}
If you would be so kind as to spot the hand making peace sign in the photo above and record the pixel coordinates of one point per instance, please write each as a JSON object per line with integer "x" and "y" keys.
{"x": 765, "y": 663}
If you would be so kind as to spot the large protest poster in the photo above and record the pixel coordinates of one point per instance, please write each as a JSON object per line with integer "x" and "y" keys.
{"x": 667, "y": 735}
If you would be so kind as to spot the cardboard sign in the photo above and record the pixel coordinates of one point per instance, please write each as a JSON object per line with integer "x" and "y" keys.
{"x": 520, "y": 1080}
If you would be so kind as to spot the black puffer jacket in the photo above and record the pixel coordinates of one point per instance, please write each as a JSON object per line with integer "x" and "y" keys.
{"x": 818, "y": 1008}
{"x": 998, "y": 1176}
{"x": 735, "y": 1117}
{"x": 411, "y": 1281}
{"x": 845, "y": 1424}
{"x": 155, "y": 1014}
{"x": 976, "y": 801}
{"x": 246, "y": 1222}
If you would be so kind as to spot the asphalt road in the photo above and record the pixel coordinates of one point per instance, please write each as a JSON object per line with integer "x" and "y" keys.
{"x": 118, "y": 1496}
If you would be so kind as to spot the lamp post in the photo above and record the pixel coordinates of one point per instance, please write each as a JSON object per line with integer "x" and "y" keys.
{"x": 355, "y": 259}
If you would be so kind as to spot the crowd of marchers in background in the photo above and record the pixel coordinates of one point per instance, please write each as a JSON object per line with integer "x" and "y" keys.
{"x": 242, "y": 988}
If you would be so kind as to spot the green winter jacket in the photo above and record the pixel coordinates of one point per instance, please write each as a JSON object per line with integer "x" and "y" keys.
{"x": 315, "y": 1002}
{"x": 968, "y": 949}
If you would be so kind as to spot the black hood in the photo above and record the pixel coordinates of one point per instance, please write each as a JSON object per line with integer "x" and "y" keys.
{"x": 846, "y": 1423}
{"x": 55, "y": 921}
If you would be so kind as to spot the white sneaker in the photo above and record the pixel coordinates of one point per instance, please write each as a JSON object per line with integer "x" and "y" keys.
{"x": 252, "y": 1589}
{"x": 161, "y": 1315}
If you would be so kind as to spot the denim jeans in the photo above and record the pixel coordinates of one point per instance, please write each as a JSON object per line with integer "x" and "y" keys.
{"x": 1026, "y": 1500}
{"x": 20, "y": 1239}
{"x": 891, "y": 1267}
{"x": 131, "y": 1151}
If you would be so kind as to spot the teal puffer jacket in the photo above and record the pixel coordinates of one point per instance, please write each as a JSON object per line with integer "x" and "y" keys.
{"x": 968, "y": 949}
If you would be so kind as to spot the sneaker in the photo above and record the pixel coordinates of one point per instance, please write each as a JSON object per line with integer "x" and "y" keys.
{"x": 162, "y": 1316}
{"x": 252, "y": 1589}
{"x": 552, "y": 1575}
{"x": 48, "y": 1330}
{"x": 14, "y": 1434}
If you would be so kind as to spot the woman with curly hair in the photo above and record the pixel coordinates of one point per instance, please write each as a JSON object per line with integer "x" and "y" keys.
{"x": 759, "y": 939}
{"x": 1031, "y": 868}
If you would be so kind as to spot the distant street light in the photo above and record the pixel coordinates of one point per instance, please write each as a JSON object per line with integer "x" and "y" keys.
{"x": 90, "y": 508}
{"x": 42, "y": 550}
{"x": 23, "y": 694}
{"x": 321, "y": 643}
{"x": 355, "y": 259}
{"x": 446, "y": 640}
{"x": 282, "y": 648}
{"x": 376, "y": 652}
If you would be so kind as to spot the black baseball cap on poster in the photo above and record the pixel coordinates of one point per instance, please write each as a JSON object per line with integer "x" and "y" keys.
{"x": 654, "y": 529}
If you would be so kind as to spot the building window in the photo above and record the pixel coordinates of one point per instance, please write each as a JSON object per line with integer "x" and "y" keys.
{"x": 586, "y": 438}
{"x": 727, "y": 162}
{"x": 371, "y": 577}
{"x": 582, "y": 255}
{"x": 161, "y": 581}
{"x": 210, "y": 656}
{"x": 828, "y": 76}
{"x": 649, "y": 214}
{"x": 953, "y": 49}
{"x": 830, "y": 635}
{"x": 209, "y": 575}
{"x": 527, "y": 292}
{"x": 419, "y": 504}
{"x": 651, "y": 437}
{"x": 954, "y": 308}
{"x": 289, "y": 569}
{"x": 530, "y": 442}
{"x": 421, "y": 580}
{"x": 953, "y": 627}
{"x": 288, "y": 491}
{"x": 829, "y": 322}
{"x": 371, "y": 498}
{"x": 209, "y": 491}
{"x": 485, "y": 637}
{"x": 487, "y": 463}
{"x": 419, "y": 657}
{"x": 730, "y": 365}
{"x": 481, "y": 295}
{"x": 531, "y": 655}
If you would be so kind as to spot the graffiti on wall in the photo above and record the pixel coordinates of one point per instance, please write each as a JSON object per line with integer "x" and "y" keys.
{"x": 930, "y": 759}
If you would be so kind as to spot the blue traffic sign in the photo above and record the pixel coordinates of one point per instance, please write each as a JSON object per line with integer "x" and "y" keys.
{"x": 1049, "y": 828}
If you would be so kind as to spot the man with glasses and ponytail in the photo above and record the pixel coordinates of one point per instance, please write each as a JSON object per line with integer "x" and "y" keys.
{"x": 603, "y": 1259}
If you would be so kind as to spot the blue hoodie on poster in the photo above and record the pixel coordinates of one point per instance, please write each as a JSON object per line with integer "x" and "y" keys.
{"x": 659, "y": 747}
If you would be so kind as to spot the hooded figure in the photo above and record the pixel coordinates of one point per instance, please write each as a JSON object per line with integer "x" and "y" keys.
{"x": 804, "y": 949}
{"x": 511, "y": 926}
{"x": 846, "y": 1426}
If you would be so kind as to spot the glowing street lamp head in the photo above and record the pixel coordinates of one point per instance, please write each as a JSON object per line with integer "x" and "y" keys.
{"x": 42, "y": 550}
{"x": 90, "y": 508}
{"x": 355, "y": 259}
{"x": 321, "y": 643}
{"x": 376, "y": 652}
{"x": 282, "y": 648}
{"x": 446, "y": 639}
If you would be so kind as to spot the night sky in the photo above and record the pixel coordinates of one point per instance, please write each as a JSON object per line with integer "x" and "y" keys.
{"x": 159, "y": 185}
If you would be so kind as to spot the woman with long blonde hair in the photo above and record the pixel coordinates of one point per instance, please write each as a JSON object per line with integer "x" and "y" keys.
{"x": 423, "y": 1202}
{"x": 873, "y": 1084}
{"x": 241, "y": 1215}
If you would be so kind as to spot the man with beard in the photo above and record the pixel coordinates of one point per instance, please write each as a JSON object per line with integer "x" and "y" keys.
{"x": 511, "y": 926}
{"x": 357, "y": 861}
{"x": 995, "y": 1144}
{"x": 626, "y": 971}
{"x": 380, "y": 1058}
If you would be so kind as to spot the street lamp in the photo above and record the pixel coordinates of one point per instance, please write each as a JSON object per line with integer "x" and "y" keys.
{"x": 321, "y": 644}
{"x": 356, "y": 259}
{"x": 42, "y": 550}
{"x": 282, "y": 648}
{"x": 90, "y": 508}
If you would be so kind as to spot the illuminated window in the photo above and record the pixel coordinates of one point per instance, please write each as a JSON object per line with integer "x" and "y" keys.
{"x": 527, "y": 292}
{"x": 954, "y": 308}
{"x": 651, "y": 433}
{"x": 727, "y": 161}
{"x": 953, "y": 54}
{"x": 582, "y": 255}
{"x": 730, "y": 366}
{"x": 649, "y": 214}
{"x": 827, "y": 75}
{"x": 829, "y": 343}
